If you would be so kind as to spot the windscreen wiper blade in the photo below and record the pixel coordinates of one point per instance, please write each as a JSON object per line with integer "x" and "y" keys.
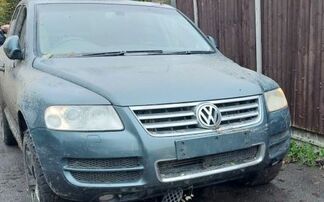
{"x": 103, "y": 54}
{"x": 145, "y": 51}
{"x": 148, "y": 52}
{"x": 188, "y": 52}
{"x": 121, "y": 53}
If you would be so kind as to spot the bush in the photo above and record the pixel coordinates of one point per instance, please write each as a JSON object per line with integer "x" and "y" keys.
{"x": 6, "y": 9}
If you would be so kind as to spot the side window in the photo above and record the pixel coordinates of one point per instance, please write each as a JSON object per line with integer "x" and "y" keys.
{"x": 20, "y": 21}
{"x": 22, "y": 36}
{"x": 14, "y": 20}
{"x": 20, "y": 27}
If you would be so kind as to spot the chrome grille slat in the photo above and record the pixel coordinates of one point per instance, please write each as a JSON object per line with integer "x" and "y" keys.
{"x": 234, "y": 125}
{"x": 180, "y": 118}
{"x": 171, "y": 124}
{"x": 165, "y": 115}
{"x": 240, "y": 107}
{"x": 136, "y": 108}
{"x": 235, "y": 100}
{"x": 175, "y": 170}
{"x": 181, "y": 132}
{"x": 239, "y": 116}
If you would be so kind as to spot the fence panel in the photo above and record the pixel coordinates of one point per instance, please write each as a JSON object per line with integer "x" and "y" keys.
{"x": 231, "y": 23}
{"x": 293, "y": 44}
{"x": 293, "y": 47}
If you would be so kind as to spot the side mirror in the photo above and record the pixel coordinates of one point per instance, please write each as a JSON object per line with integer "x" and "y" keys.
{"x": 213, "y": 42}
{"x": 12, "y": 48}
{"x": 2, "y": 38}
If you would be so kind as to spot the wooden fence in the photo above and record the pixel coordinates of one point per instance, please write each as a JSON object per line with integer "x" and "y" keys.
{"x": 293, "y": 47}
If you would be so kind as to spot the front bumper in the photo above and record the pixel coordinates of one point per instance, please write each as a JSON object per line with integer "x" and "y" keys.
{"x": 55, "y": 149}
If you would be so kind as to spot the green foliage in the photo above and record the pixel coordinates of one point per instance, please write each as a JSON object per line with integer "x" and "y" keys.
{"x": 304, "y": 153}
{"x": 6, "y": 9}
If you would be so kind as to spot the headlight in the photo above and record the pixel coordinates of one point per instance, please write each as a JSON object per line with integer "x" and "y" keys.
{"x": 82, "y": 118}
{"x": 275, "y": 100}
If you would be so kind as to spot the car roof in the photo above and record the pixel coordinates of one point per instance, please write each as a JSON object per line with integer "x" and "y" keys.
{"x": 121, "y": 2}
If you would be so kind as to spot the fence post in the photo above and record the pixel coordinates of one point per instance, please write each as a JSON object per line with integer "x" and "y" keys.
{"x": 258, "y": 36}
{"x": 195, "y": 10}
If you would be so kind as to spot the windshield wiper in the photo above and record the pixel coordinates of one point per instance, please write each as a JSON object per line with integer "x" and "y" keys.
{"x": 121, "y": 53}
{"x": 188, "y": 52}
{"x": 103, "y": 54}
{"x": 145, "y": 51}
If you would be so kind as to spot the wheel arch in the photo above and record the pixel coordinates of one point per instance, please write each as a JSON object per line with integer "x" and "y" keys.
{"x": 22, "y": 123}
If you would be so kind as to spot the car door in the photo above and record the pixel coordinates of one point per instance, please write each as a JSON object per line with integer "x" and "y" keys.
{"x": 11, "y": 80}
{"x": 3, "y": 57}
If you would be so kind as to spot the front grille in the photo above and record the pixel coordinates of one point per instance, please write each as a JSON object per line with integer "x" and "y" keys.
{"x": 105, "y": 171}
{"x": 106, "y": 177}
{"x": 201, "y": 166}
{"x": 180, "y": 119}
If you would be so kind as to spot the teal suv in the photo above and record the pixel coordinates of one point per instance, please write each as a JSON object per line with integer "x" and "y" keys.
{"x": 125, "y": 100}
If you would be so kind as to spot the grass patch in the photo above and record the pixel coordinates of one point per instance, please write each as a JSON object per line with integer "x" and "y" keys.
{"x": 305, "y": 153}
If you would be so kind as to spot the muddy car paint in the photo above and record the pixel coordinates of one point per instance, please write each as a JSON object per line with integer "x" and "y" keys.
{"x": 30, "y": 86}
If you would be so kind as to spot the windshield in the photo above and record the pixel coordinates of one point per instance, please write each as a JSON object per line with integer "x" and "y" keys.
{"x": 67, "y": 29}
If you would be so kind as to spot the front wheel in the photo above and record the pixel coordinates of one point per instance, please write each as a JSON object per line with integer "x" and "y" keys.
{"x": 38, "y": 189}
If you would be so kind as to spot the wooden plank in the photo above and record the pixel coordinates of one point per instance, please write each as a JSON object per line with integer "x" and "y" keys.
{"x": 321, "y": 81}
{"x": 318, "y": 67}
{"x": 252, "y": 38}
{"x": 265, "y": 36}
{"x": 244, "y": 31}
{"x": 297, "y": 81}
{"x": 186, "y": 7}
{"x": 312, "y": 80}
{"x": 284, "y": 80}
{"x": 305, "y": 39}
{"x": 293, "y": 23}
{"x": 270, "y": 38}
{"x": 287, "y": 49}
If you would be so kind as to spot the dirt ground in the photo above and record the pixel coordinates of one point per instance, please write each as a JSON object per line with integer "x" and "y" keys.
{"x": 295, "y": 183}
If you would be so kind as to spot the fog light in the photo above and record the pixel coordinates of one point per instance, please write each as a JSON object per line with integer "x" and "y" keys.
{"x": 106, "y": 198}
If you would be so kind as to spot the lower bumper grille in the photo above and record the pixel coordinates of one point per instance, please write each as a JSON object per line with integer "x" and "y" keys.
{"x": 105, "y": 171}
{"x": 202, "y": 166}
{"x": 106, "y": 177}
{"x": 104, "y": 163}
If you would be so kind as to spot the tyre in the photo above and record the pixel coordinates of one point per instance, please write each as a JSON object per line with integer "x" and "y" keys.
{"x": 263, "y": 177}
{"x": 38, "y": 189}
{"x": 6, "y": 134}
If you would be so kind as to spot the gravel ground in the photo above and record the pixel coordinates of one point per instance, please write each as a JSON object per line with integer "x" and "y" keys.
{"x": 12, "y": 179}
{"x": 295, "y": 183}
